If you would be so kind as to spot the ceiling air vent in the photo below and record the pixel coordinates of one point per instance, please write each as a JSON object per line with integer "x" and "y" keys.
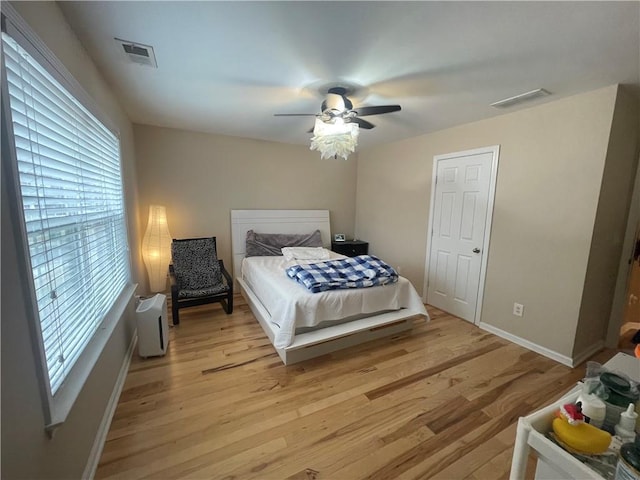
{"x": 138, "y": 53}
{"x": 523, "y": 97}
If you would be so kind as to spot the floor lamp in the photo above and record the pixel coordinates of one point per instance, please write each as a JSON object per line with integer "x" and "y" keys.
{"x": 156, "y": 248}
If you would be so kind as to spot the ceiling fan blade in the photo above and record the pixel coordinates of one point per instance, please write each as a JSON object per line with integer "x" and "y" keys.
{"x": 295, "y": 114}
{"x": 363, "y": 123}
{"x": 362, "y": 111}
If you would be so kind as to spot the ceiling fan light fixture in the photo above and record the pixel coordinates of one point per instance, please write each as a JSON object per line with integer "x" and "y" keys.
{"x": 335, "y": 102}
{"x": 336, "y": 139}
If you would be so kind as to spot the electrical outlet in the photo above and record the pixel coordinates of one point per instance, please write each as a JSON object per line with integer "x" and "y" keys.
{"x": 518, "y": 309}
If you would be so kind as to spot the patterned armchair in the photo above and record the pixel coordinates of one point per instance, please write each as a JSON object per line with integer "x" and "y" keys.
{"x": 197, "y": 276}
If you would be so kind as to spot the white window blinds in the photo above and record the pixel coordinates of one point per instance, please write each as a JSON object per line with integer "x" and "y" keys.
{"x": 72, "y": 198}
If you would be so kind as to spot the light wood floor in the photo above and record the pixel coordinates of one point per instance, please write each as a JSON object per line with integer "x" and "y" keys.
{"x": 440, "y": 402}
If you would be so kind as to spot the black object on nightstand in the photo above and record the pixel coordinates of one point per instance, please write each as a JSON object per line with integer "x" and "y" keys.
{"x": 351, "y": 248}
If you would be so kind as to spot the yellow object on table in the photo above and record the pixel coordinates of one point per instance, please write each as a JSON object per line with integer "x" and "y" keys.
{"x": 582, "y": 437}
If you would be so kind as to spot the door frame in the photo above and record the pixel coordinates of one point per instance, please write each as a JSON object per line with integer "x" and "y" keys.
{"x": 495, "y": 151}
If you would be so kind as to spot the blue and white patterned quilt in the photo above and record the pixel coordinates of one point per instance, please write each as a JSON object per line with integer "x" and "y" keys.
{"x": 354, "y": 272}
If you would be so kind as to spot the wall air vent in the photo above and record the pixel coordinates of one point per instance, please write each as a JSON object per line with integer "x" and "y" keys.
{"x": 523, "y": 97}
{"x": 138, "y": 53}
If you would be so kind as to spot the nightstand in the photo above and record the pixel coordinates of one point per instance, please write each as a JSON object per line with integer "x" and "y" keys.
{"x": 350, "y": 248}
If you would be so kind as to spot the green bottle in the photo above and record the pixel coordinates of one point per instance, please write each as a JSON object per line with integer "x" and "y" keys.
{"x": 629, "y": 462}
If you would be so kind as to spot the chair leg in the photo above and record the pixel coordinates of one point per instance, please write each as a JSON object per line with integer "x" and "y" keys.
{"x": 227, "y": 304}
{"x": 174, "y": 313}
{"x": 230, "y": 298}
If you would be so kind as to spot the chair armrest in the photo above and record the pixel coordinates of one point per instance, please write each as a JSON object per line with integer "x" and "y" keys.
{"x": 225, "y": 273}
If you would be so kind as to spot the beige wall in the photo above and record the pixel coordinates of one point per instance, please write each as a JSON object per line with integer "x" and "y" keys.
{"x": 201, "y": 177}
{"x": 623, "y": 281}
{"x": 27, "y": 452}
{"x": 610, "y": 223}
{"x": 550, "y": 170}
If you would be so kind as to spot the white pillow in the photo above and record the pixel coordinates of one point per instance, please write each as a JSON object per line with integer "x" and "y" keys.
{"x": 305, "y": 253}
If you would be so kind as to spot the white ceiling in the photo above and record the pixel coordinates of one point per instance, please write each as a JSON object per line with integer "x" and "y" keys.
{"x": 227, "y": 67}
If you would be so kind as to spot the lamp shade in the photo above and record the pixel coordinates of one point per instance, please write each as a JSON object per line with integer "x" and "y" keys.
{"x": 156, "y": 248}
{"x": 334, "y": 139}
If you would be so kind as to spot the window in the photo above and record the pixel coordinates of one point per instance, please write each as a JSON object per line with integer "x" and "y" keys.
{"x": 70, "y": 186}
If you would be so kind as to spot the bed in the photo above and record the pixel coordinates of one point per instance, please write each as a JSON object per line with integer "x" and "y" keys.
{"x": 303, "y": 325}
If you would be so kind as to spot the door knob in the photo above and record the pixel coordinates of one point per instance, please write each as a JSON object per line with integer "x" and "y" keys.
{"x": 476, "y": 250}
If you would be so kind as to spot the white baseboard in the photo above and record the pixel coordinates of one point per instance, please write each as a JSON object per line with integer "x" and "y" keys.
{"x": 103, "y": 429}
{"x": 569, "y": 362}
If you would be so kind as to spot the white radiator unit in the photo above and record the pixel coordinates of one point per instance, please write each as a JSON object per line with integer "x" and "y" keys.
{"x": 153, "y": 327}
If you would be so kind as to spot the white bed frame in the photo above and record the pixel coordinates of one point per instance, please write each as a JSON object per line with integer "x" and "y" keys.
{"x": 322, "y": 341}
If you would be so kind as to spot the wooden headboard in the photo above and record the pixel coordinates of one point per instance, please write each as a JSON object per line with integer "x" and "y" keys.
{"x": 274, "y": 221}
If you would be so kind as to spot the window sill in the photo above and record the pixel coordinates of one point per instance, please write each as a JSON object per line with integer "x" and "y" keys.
{"x": 64, "y": 399}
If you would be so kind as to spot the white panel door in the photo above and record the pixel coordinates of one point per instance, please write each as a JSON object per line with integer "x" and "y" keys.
{"x": 458, "y": 232}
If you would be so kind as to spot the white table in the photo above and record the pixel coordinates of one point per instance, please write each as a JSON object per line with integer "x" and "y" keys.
{"x": 554, "y": 463}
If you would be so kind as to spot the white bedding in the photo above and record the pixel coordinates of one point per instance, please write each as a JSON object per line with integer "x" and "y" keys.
{"x": 292, "y": 306}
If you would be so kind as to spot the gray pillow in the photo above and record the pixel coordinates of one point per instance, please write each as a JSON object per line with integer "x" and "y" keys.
{"x": 270, "y": 244}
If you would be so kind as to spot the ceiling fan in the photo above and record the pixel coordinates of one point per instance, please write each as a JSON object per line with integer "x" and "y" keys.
{"x": 337, "y": 106}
